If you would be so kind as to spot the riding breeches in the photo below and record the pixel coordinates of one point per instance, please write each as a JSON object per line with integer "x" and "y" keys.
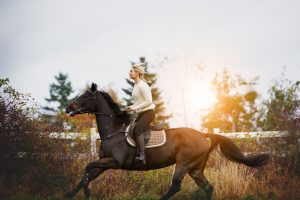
{"x": 142, "y": 121}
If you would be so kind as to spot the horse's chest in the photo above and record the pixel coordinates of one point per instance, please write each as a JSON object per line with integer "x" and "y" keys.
{"x": 104, "y": 152}
{"x": 109, "y": 149}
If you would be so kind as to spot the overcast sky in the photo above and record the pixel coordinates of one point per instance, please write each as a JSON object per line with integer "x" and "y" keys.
{"x": 95, "y": 40}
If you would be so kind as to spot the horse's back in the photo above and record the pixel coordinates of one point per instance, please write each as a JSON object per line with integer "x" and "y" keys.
{"x": 188, "y": 135}
{"x": 183, "y": 145}
{"x": 188, "y": 140}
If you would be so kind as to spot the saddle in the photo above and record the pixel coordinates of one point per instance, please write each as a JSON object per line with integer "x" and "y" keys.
{"x": 154, "y": 136}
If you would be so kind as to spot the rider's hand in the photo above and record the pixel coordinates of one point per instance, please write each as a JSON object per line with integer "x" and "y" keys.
{"x": 128, "y": 109}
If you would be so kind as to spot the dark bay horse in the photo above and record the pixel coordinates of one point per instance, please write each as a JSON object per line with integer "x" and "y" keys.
{"x": 185, "y": 147}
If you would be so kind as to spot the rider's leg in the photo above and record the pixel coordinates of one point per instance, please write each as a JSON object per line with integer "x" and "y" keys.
{"x": 140, "y": 141}
{"x": 142, "y": 123}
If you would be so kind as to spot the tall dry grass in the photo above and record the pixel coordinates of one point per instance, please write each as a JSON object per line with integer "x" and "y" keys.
{"x": 235, "y": 181}
{"x": 230, "y": 181}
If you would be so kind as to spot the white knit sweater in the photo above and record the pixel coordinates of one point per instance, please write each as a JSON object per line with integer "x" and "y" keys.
{"x": 142, "y": 97}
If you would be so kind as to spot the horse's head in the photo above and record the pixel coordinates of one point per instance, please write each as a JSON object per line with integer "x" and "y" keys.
{"x": 85, "y": 103}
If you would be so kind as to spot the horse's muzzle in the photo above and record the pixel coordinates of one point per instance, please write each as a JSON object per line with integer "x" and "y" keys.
{"x": 72, "y": 114}
{"x": 68, "y": 110}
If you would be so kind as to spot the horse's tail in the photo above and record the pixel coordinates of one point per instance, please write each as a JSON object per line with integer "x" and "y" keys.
{"x": 234, "y": 153}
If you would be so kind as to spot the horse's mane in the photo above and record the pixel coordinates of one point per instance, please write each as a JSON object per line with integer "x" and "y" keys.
{"x": 110, "y": 102}
{"x": 114, "y": 105}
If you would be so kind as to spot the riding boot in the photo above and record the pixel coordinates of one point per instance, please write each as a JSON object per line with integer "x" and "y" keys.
{"x": 141, "y": 149}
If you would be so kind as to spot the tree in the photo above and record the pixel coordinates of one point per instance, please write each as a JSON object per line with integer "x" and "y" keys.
{"x": 281, "y": 112}
{"x": 29, "y": 158}
{"x": 17, "y": 130}
{"x": 161, "y": 117}
{"x": 60, "y": 92}
{"x": 282, "y": 109}
{"x": 235, "y": 109}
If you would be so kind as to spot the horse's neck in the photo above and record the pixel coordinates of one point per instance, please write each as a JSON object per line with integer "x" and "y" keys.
{"x": 107, "y": 125}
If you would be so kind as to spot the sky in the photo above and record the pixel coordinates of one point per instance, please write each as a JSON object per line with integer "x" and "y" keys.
{"x": 94, "y": 41}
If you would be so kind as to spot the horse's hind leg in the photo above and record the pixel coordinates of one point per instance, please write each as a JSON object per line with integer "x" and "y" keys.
{"x": 88, "y": 177}
{"x": 202, "y": 182}
{"x": 178, "y": 176}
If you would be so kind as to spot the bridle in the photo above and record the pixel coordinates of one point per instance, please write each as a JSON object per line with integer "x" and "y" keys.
{"x": 82, "y": 110}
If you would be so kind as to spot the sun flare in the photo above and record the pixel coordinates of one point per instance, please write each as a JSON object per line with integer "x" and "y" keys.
{"x": 199, "y": 97}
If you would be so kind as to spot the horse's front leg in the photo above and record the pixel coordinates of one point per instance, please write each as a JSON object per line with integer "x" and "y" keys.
{"x": 104, "y": 163}
{"x": 93, "y": 170}
{"x": 94, "y": 173}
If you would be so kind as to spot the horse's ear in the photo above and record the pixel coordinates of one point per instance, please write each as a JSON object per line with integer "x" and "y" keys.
{"x": 94, "y": 87}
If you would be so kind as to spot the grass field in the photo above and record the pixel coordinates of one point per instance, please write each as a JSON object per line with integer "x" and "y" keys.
{"x": 230, "y": 181}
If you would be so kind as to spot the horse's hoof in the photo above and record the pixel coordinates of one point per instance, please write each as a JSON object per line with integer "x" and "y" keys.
{"x": 86, "y": 192}
{"x": 163, "y": 198}
{"x": 69, "y": 195}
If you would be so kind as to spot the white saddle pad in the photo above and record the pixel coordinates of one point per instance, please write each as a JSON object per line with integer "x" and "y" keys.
{"x": 158, "y": 138}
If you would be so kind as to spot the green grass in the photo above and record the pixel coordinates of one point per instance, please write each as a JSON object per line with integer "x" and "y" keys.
{"x": 196, "y": 195}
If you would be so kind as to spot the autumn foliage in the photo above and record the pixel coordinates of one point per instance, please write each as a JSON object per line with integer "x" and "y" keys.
{"x": 38, "y": 166}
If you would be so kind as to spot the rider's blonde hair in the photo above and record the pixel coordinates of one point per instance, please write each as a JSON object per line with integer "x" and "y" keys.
{"x": 140, "y": 68}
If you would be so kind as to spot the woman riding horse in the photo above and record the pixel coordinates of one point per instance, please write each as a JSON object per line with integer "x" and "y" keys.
{"x": 143, "y": 105}
{"x": 188, "y": 149}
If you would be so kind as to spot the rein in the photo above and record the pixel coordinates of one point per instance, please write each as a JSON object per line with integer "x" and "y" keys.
{"x": 115, "y": 133}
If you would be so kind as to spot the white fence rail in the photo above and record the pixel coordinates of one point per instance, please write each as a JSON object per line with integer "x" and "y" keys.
{"x": 93, "y": 136}
{"x": 257, "y": 135}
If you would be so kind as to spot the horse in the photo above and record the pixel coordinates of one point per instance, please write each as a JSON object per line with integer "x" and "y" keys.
{"x": 187, "y": 148}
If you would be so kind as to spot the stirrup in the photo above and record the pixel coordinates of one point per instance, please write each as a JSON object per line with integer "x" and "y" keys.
{"x": 141, "y": 158}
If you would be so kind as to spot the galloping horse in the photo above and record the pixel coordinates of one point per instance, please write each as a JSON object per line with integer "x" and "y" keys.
{"x": 185, "y": 147}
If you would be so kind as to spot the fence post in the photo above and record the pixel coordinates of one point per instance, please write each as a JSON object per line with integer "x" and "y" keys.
{"x": 94, "y": 136}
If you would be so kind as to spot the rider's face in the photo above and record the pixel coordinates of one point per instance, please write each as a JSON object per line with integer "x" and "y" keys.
{"x": 133, "y": 74}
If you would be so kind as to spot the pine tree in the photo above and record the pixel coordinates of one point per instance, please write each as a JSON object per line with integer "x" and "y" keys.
{"x": 60, "y": 92}
{"x": 160, "y": 117}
